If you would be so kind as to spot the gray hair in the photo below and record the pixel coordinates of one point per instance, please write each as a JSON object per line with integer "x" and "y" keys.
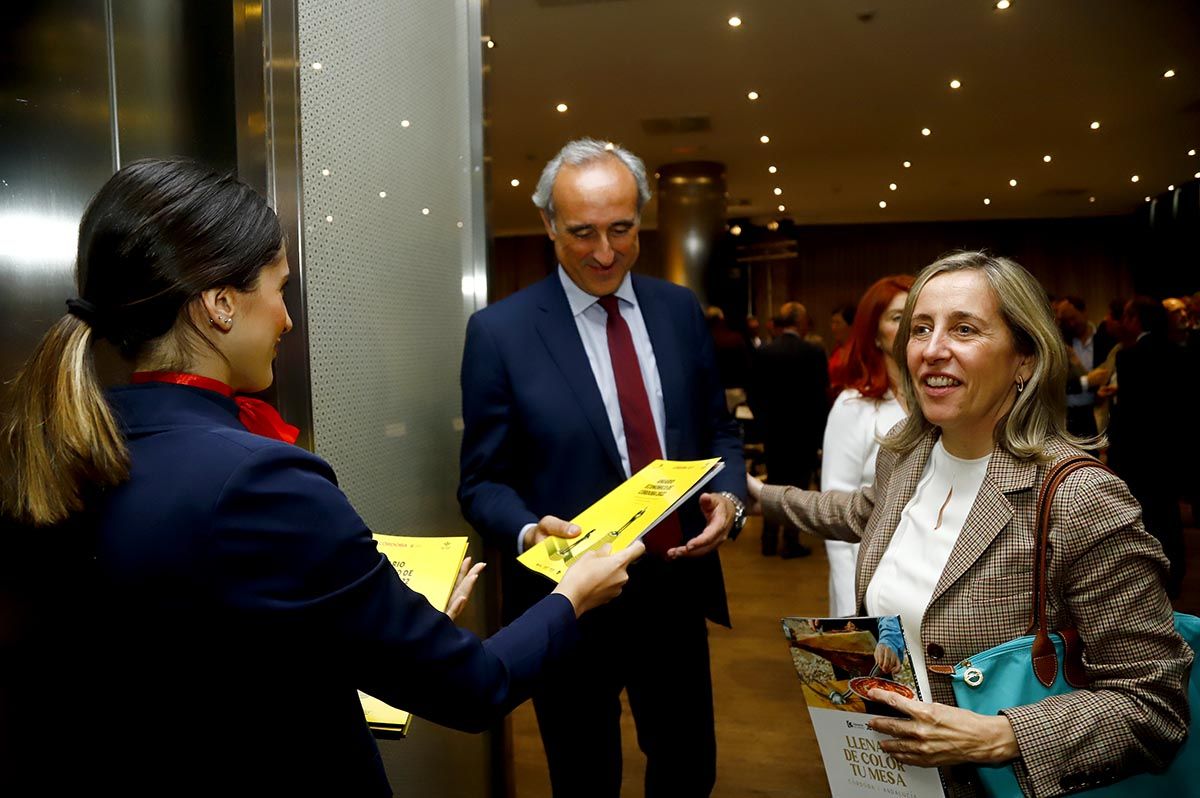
{"x": 1039, "y": 411}
{"x": 584, "y": 151}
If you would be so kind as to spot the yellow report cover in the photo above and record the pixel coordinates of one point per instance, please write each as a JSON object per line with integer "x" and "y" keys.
{"x": 430, "y": 567}
{"x": 627, "y": 513}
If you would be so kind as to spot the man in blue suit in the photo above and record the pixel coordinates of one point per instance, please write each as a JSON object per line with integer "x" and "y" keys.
{"x": 569, "y": 387}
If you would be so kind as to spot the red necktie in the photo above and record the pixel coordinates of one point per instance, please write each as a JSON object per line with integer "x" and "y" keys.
{"x": 256, "y": 415}
{"x": 641, "y": 437}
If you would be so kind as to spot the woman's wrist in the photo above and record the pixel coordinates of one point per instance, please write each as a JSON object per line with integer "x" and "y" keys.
{"x": 1002, "y": 746}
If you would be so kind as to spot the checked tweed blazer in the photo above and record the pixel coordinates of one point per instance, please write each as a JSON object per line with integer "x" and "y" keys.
{"x": 1105, "y": 579}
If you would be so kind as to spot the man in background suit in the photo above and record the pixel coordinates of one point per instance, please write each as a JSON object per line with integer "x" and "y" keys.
{"x": 789, "y": 397}
{"x": 569, "y": 386}
{"x": 1086, "y": 351}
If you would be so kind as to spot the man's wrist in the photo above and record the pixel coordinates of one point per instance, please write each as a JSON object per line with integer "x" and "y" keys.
{"x": 739, "y": 513}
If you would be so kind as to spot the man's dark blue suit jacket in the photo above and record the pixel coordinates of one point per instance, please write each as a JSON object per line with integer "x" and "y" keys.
{"x": 239, "y": 603}
{"x": 537, "y": 439}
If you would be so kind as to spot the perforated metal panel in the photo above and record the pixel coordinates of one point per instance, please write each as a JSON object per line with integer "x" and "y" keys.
{"x": 389, "y": 237}
{"x": 392, "y": 198}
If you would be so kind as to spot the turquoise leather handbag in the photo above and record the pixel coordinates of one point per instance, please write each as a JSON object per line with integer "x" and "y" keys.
{"x": 1026, "y": 670}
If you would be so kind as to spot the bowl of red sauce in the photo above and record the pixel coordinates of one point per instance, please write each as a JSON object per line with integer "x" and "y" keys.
{"x": 861, "y": 685}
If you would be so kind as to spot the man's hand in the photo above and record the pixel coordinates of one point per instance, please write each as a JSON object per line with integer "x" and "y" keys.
{"x": 719, "y": 512}
{"x": 1097, "y": 377}
{"x": 549, "y": 527}
{"x": 937, "y": 735}
{"x": 467, "y": 576}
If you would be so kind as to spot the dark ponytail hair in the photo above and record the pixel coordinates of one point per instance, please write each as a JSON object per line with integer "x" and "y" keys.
{"x": 154, "y": 237}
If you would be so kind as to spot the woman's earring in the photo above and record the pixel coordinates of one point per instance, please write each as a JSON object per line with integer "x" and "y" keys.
{"x": 1020, "y": 383}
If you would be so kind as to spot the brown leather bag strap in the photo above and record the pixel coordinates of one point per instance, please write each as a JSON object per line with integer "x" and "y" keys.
{"x": 1045, "y": 660}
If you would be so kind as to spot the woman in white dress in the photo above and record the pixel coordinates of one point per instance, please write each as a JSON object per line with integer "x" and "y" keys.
{"x": 861, "y": 415}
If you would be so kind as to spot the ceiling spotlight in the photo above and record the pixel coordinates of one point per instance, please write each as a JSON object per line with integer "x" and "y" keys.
{"x": 882, "y": 204}
{"x": 1095, "y": 126}
{"x": 425, "y": 211}
{"x": 561, "y": 108}
{"x": 1197, "y": 175}
{"x": 1047, "y": 159}
{"x": 514, "y": 182}
{"x": 1171, "y": 187}
{"x": 736, "y": 230}
{"x": 752, "y": 95}
{"x": 772, "y": 169}
{"x": 956, "y": 84}
{"x": 925, "y": 131}
{"x": 329, "y": 219}
{"x": 316, "y": 66}
{"x": 772, "y": 225}
{"x": 764, "y": 139}
{"x": 383, "y": 195}
{"x": 907, "y": 164}
{"x": 1013, "y": 182}
{"x": 404, "y": 123}
{"x": 325, "y": 173}
{"x": 1134, "y": 179}
{"x": 1191, "y": 152}
{"x": 778, "y": 191}
{"x": 735, "y": 22}
{"x": 1147, "y": 199}
{"x": 782, "y": 208}
{"x": 987, "y": 200}
{"x": 1170, "y": 73}
{"x": 491, "y": 44}
{"x": 892, "y": 186}
{"x": 1001, "y": 5}
{"x": 1091, "y": 199}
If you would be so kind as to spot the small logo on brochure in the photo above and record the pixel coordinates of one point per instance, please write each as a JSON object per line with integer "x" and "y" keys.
{"x": 852, "y": 725}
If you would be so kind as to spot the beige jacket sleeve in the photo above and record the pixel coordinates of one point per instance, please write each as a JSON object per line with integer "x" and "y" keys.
{"x": 1106, "y": 572}
{"x": 832, "y": 514}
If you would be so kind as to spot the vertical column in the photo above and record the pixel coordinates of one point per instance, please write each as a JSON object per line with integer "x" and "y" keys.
{"x": 691, "y": 215}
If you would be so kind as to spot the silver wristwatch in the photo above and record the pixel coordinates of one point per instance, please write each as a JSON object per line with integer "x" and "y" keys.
{"x": 739, "y": 514}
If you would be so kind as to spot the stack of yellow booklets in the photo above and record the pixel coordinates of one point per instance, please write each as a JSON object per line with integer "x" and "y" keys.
{"x": 430, "y": 567}
{"x": 631, "y": 510}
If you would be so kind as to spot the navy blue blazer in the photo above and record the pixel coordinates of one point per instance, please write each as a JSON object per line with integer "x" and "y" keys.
{"x": 241, "y": 601}
{"x": 537, "y": 440}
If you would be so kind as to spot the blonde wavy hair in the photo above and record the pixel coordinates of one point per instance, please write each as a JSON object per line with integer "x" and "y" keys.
{"x": 1039, "y": 411}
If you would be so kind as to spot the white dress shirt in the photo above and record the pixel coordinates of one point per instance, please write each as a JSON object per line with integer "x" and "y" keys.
{"x": 917, "y": 554}
{"x": 591, "y": 321}
{"x": 852, "y": 433}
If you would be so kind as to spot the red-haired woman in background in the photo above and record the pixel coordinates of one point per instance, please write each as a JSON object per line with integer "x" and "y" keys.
{"x": 861, "y": 415}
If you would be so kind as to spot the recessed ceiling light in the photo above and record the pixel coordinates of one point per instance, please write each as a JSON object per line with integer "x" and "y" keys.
{"x": 892, "y": 186}
{"x": 491, "y": 44}
{"x": 752, "y": 95}
{"x": 316, "y": 66}
{"x": 404, "y": 123}
{"x": 1095, "y": 126}
{"x": 772, "y": 225}
{"x": 325, "y": 172}
{"x": 735, "y": 22}
{"x": 1091, "y": 199}
{"x": 1171, "y": 187}
{"x": 772, "y": 169}
{"x": 425, "y": 211}
{"x": 329, "y": 219}
{"x": 882, "y": 204}
{"x": 1002, "y": 4}
{"x": 1197, "y": 175}
{"x": 561, "y": 108}
{"x": 907, "y": 164}
{"x": 1134, "y": 179}
{"x": 1147, "y": 199}
{"x": 764, "y": 139}
{"x": 956, "y": 84}
{"x": 514, "y": 182}
{"x": 1047, "y": 159}
{"x": 1013, "y": 182}
{"x": 383, "y": 195}
{"x": 736, "y": 230}
{"x": 925, "y": 131}
{"x": 987, "y": 200}
{"x": 1191, "y": 152}
{"x": 1170, "y": 73}
{"x": 778, "y": 191}
{"x": 782, "y": 208}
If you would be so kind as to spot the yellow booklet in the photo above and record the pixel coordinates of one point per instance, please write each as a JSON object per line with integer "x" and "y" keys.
{"x": 631, "y": 510}
{"x": 430, "y": 567}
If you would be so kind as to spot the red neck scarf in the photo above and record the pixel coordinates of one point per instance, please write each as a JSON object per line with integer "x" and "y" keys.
{"x": 255, "y": 414}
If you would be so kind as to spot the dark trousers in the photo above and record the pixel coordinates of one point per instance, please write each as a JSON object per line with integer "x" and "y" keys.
{"x": 1160, "y": 514}
{"x": 653, "y": 643}
{"x": 1081, "y": 421}
{"x": 785, "y": 466}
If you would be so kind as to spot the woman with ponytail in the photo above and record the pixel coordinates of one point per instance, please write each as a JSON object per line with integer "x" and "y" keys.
{"x": 206, "y": 602}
